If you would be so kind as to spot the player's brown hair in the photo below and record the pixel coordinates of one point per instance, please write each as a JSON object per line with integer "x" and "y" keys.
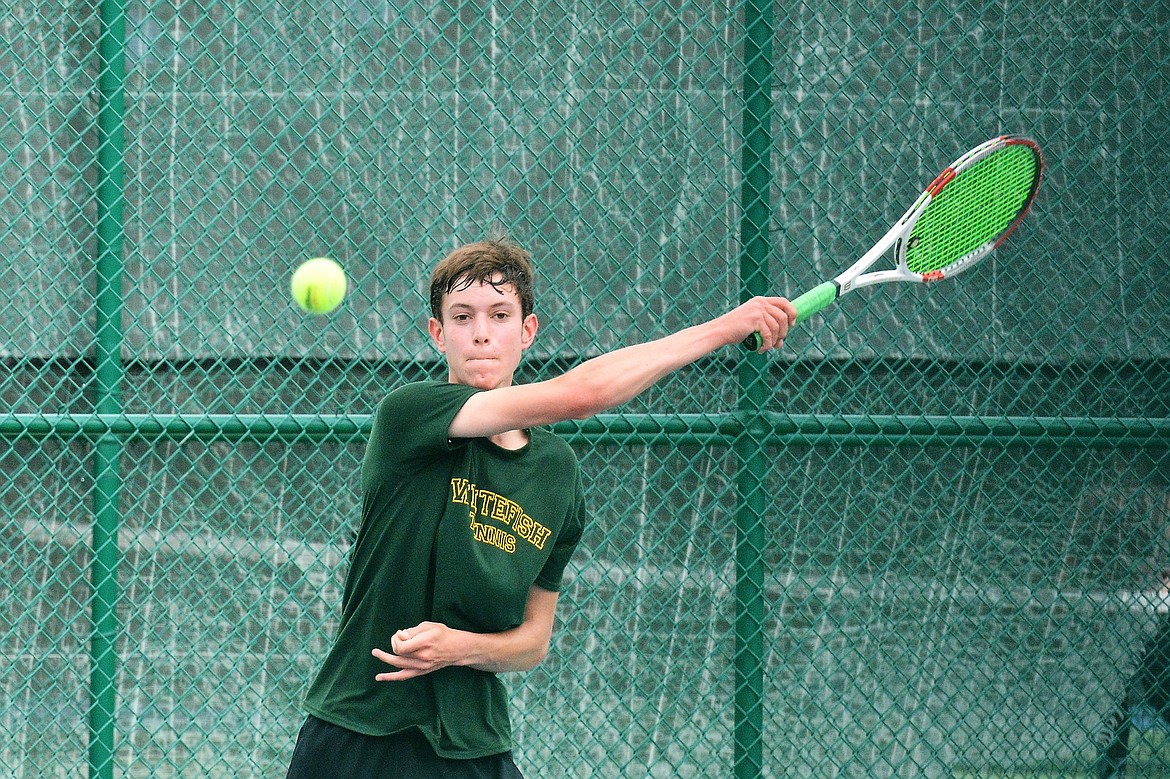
{"x": 496, "y": 260}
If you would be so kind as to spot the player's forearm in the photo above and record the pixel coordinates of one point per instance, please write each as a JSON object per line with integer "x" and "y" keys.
{"x": 511, "y": 650}
{"x": 520, "y": 648}
{"x": 611, "y": 379}
{"x": 430, "y": 646}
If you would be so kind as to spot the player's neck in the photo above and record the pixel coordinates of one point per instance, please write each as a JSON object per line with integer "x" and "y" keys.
{"x": 512, "y": 439}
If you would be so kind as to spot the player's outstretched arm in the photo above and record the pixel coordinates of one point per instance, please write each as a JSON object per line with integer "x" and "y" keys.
{"x": 612, "y": 379}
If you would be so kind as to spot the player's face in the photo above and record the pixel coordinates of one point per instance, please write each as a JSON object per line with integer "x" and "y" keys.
{"x": 483, "y": 333}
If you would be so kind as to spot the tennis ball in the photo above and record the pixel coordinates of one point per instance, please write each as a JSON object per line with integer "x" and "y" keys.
{"x": 318, "y": 285}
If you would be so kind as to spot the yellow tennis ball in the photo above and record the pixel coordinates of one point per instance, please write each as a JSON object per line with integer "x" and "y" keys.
{"x": 318, "y": 285}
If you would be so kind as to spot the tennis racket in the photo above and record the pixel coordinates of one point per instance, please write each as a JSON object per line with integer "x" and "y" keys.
{"x": 965, "y": 213}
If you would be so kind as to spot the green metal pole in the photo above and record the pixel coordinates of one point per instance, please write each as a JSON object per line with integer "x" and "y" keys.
{"x": 753, "y": 394}
{"x": 108, "y": 371}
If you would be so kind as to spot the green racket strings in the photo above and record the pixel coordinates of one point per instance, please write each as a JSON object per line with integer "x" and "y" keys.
{"x": 974, "y": 209}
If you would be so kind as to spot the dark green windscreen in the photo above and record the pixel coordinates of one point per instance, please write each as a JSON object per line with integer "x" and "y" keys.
{"x": 932, "y": 608}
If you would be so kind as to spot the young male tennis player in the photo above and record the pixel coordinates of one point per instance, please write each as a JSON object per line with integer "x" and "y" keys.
{"x": 470, "y": 513}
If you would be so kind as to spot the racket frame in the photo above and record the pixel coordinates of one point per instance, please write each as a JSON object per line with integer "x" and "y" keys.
{"x": 855, "y": 277}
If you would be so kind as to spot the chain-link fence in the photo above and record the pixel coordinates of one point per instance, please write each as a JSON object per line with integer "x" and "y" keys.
{"x": 926, "y": 539}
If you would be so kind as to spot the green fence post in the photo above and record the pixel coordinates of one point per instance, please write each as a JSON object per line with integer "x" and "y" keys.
{"x": 752, "y": 464}
{"x": 106, "y": 390}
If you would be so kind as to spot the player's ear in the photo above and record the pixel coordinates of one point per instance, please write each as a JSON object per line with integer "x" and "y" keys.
{"x": 435, "y": 328}
{"x": 528, "y": 335}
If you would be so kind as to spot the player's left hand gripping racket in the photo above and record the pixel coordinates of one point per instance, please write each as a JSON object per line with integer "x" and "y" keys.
{"x": 965, "y": 213}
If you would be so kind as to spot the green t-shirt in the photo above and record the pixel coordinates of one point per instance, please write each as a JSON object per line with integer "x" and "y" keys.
{"x": 452, "y": 531}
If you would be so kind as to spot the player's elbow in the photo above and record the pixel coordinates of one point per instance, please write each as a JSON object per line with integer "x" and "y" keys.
{"x": 583, "y": 407}
{"x": 537, "y": 656}
{"x": 536, "y": 649}
{"x": 581, "y": 397}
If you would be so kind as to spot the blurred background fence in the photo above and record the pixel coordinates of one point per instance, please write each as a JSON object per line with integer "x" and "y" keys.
{"x": 925, "y": 539}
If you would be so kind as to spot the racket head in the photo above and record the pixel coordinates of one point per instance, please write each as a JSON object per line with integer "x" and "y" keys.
{"x": 971, "y": 208}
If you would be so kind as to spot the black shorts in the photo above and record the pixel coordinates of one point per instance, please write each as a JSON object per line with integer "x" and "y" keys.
{"x": 328, "y": 751}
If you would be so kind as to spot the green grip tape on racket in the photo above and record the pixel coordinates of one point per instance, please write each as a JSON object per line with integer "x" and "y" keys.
{"x": 819, "y": 297}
